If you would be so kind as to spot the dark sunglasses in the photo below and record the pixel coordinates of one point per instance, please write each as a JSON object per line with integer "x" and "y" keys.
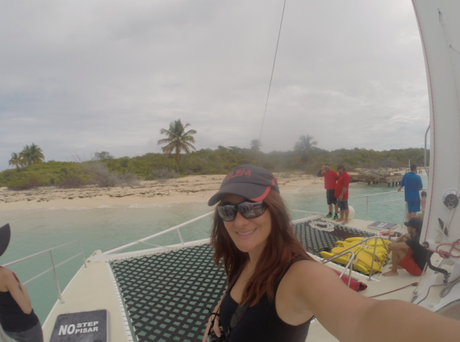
{"x": 248, "y": 210}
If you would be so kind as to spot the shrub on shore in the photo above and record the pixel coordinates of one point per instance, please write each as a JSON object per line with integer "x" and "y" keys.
{"x": 163, "y": 174}
{"x": 25, "y": 182}
{"x": 100, "y": 175}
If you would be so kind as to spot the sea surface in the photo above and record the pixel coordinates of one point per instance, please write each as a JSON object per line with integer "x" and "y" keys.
{"x": 107, "y": 227}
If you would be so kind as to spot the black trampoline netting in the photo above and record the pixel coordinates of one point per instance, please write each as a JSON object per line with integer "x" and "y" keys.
{"x": 316, "y": 240}
{"x": 167, "y": 296}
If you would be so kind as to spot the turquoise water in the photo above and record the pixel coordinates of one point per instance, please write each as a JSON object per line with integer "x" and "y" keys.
{"x": 105, "y": 228}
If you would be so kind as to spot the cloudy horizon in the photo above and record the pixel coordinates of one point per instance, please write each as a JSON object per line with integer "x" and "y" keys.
{"x": 85, "y": 77}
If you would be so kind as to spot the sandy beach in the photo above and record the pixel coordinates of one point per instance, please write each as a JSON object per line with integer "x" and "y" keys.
{"x": 184, "y": 189}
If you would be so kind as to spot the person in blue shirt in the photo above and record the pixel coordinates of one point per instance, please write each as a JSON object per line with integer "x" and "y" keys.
{"x": 412, "y": 184}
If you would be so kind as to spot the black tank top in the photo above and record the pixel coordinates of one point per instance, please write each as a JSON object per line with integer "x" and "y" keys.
{"x": 261, "y": 322}
{"x": 12, "y": 317}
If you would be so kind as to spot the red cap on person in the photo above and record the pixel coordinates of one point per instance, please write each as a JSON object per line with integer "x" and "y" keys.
{"x": 249, "y": 181}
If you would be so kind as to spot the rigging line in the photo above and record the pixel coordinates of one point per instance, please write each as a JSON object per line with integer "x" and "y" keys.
{"x": 398, "y": 289}
{"x": 273, "y": 70}
{"x": 454, "y": 49}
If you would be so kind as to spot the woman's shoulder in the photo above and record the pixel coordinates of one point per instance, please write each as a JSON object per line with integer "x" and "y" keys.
{"x": 5, "y": 277}
{"x": 4, "y": 271}
{"x": 301, "y": 264}
{"x": 5, "y": 274}
{"x": 308, "y": 271}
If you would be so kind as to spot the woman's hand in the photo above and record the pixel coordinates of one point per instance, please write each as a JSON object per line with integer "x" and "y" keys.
{"x": 214, "y": 315}
{"x": 215, "y": 326}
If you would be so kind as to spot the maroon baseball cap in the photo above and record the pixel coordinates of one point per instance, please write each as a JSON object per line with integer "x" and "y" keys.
{"x": 249, "y": 181}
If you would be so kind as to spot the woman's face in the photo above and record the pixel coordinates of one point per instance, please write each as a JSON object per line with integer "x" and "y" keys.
{"x": 249, "y": 235}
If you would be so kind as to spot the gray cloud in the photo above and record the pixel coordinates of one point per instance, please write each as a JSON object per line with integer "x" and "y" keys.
{"x": 81, "y": 77}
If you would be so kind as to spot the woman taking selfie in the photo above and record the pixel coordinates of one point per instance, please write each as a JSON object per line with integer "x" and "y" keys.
{"x": 275, "y": 287}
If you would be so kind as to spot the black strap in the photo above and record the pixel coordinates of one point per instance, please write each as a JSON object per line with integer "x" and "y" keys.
{"x": 216, "y": 314}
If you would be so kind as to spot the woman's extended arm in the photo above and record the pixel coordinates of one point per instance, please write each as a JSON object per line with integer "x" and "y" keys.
{"x": 17, "y": 291}
{"x": 350, "y": 316}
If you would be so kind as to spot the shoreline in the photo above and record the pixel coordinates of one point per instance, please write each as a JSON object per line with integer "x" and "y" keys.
{"x": 185, "y": 189}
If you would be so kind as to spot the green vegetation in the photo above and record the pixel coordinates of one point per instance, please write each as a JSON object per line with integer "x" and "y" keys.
{"x": 15, "y": 160}
{"x": 105, "y": 170}
{"x": 177, "y": 141}
{"x": 65, "y": 174}
{"x": 304, "y": 147}
{"x": 29, "y": 155}
{"x": 256, "y": 145}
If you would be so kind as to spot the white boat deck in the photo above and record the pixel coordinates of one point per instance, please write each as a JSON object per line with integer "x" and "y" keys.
{"x": 94, "y": 288}
{"x": 383, "y": 287}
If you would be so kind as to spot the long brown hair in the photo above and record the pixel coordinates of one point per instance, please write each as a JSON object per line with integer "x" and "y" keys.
{"x": 282, "y": 246}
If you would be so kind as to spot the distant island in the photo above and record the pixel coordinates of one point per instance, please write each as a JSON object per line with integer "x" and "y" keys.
{"x": 106, "y": 171}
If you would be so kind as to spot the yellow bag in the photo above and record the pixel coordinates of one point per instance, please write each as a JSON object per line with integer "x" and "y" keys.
{"x": 363, "y": 254}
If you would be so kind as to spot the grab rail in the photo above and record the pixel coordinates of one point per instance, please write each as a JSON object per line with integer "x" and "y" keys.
{"x": 53, "y": 265}
{"x": 347, "y": 266}
{"x": 362, "y": 242}
{"x": 159, "y": 234}
{"x": 376, "y": 194}
{"x": 383, "y": 193}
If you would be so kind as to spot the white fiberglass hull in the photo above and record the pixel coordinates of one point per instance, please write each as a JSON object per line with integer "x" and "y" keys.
{"x": 439, "y": 25}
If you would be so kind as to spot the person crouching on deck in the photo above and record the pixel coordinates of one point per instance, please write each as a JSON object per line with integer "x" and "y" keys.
{"x": 407, "y": 252}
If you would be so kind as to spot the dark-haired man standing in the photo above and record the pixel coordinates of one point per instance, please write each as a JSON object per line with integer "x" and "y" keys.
{"x": 341, "y": 193}
{"x": 330, "y": 180}
{"x": 412, "y": 184}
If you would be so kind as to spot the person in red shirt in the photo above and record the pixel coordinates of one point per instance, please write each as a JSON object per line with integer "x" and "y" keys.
{"x": 330, "y": 179}
{"x": 341, "y": 193}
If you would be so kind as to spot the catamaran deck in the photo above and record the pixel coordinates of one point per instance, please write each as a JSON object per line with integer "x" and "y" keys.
{"x": 164, "y": 294}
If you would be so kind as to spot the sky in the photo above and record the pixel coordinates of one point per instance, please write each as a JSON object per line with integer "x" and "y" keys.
{"x": 79, "y": 77}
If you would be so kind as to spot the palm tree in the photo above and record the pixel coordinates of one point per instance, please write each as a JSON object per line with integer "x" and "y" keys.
{"x": 36, "y": 154}
{"x": 31, "y": 154}
{"x": 255, "y": 145}
{"x": 15, "y": 160}
{"x": 304, "y": 146}
{"x": 177, "y": 140}
{"x": 25, "y": 156}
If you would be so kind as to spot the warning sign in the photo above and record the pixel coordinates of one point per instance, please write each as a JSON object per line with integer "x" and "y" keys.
{"x": 88, "y": 326}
